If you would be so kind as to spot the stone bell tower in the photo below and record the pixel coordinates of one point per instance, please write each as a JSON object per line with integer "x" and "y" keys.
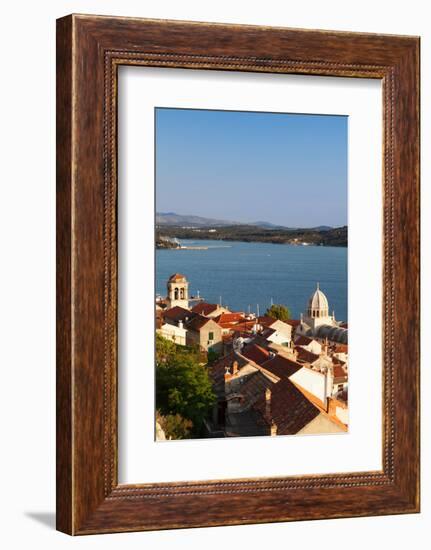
{"x": 178, "y": 291}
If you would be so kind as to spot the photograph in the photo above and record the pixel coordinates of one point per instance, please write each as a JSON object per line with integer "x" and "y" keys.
{"x": 200, "y": 199}
{"x": 251, "y": 274}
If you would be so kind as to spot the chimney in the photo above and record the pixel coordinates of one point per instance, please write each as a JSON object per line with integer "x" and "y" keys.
{"x": 180, "y": 324}
{"x": 268, "y": 394}
{"x": 234, "y": 368}
{"x": 273, "y": 428}
{"x": 325, "y": 347}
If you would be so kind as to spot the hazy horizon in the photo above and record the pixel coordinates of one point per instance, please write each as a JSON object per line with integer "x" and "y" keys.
{"x": 251, "y": 222}
{"x": 284, "y": 169}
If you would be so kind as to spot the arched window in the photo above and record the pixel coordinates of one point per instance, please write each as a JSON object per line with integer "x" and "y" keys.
{"x": 176, "y": 294}
{"x": 182, "y": 294}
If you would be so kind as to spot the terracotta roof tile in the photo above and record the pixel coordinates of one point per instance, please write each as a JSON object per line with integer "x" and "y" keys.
{"x": 267, "y": 332}
{"x": 256, "y": 353}
{"x": 289, "y": 409}
{"x": 218, "y": 368}
{"x": 266, "y": 321}
{"x": 340, "y": 348}
{"x": 339, "y": 374}
{"x": 305, "y": 355}
{"x": 229, "y": 318}
{"x": 303, "y": 340}
{"x": 293, "y": 322}
{"x": 254, "y": 387}
{"x": 177, "y": 278}
{"x": 281, "y": 366}
{"x": 197, "y": 322}
{"x": 177, "y": 313}
{"x": 204, "y": 309}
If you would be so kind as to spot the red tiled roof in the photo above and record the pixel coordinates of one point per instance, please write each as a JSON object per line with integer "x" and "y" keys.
{"x": 339, "y": 373}
{"x": 218, "y": 368}
{"x": 204, "y": 309}
{"x": 256, "y": 353}
{"x": 177, "y": 313}
{"x": 177, "y": 278}
{"x": 281, "y": 366}
{"x": 197, "y": 322}
{"x": 290, "y": 409}
{"x": 254, "y": 387}
{"x": 292, "y": 322}
{"x": 305, "y": 355}
{"x": 340, "y": 348}
{"x": 303, "y": 341}
{"x": 266, "y": 320}
{"x": 267, "y": 332}
{"x": 224, "y": 318}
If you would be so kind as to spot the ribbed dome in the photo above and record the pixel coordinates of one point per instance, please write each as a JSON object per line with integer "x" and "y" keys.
{"x": 318, "y": 304}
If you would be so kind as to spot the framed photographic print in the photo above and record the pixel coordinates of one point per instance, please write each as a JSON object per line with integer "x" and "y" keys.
{"x": 237, "y": 274}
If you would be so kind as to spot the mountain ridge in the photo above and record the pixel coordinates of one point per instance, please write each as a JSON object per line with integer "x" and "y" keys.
{"x": 191, "y": 220}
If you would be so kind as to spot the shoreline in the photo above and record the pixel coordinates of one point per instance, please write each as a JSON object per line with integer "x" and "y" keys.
{"x": 204, "y": 247}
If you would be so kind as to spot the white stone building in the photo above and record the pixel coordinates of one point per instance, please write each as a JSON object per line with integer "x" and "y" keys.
{"x": 177, "y": 334}
{"x": 317, "y": 323}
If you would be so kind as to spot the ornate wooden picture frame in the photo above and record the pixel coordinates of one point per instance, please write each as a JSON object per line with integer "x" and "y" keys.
{"x": 89, "y": 51}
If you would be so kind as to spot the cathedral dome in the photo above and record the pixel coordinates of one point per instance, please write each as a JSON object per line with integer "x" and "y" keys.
{"x": 318, "y": 304}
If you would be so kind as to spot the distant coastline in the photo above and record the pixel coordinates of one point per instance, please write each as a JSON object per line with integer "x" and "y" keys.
{"x": 168, "y": 236}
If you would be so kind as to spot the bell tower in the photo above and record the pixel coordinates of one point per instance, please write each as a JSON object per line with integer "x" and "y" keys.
{"x": 178, "y": 291}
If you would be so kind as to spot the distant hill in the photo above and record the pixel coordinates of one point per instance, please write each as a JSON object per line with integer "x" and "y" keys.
{"x": 181, "y": 220}
{"x": 268, "y": 225}
{"x": 252, "y": 233}
{"x": 322, "y": 228}
{"x": 171, "y": 218}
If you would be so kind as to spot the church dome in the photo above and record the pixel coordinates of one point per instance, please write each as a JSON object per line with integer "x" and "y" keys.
{"x": 318, "y": 304}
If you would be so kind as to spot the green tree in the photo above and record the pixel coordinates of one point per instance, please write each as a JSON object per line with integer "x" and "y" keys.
{"x": 183, "y": 386}
{"x": 164, "y": 349}
{"x": 278, "y": 311}
{"x": 175, "y": 426}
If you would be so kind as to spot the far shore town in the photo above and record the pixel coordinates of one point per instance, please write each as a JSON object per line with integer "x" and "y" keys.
{"x": 269, "y": 375}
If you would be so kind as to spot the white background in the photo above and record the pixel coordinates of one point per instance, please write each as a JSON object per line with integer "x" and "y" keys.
{"x": 141, "y": 458}
{"x": 27, "y": 314}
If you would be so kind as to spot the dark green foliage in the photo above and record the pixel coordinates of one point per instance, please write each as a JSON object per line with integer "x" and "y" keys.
{"x": 183, "y": 386}
{"x": 212, "y": 356}
{"x": 175, "y": 426}
{"x": 278, "y": 311}
{"x": 252, "y": 233}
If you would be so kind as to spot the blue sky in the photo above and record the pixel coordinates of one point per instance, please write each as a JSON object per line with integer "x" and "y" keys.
{"x": 286, "y": 169}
